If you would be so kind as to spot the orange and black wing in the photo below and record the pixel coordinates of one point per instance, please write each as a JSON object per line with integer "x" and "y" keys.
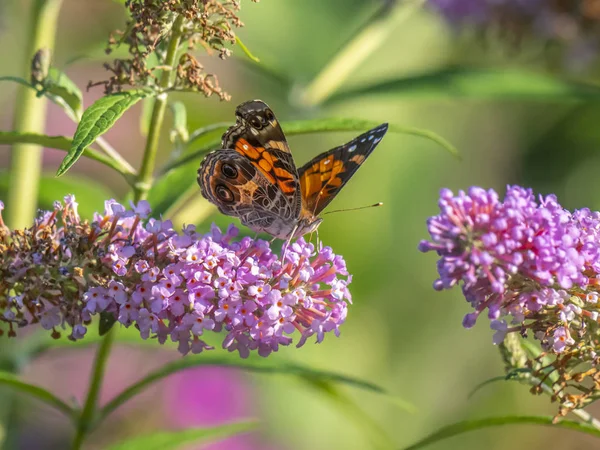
{"x": 324, "y": 176}
{"x": 258, "y": 136}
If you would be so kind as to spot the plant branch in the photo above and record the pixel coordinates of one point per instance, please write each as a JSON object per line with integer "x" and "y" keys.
{"x": 30, "y": 116}
{"x": 144, "y": 180}
{"x": 86, "y": 421}
{"x": 369, "y": 39}
{"x": 110, "y": 151}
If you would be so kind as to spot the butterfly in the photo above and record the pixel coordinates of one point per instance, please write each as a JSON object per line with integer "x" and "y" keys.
{"x": 254, "y": 177}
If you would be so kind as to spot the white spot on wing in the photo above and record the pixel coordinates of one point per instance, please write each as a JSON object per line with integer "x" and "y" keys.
{"x": 245, "y": 147}
{"x": 351, "y": 149}
{"x": 327, "y": 161}
{"x": 363, "y": 140}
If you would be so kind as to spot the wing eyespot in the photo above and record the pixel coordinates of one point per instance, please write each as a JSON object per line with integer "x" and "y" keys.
{"x": 224, "y": 193}
{"x": 256, "y": 122}
{"x": 229, "y": 171}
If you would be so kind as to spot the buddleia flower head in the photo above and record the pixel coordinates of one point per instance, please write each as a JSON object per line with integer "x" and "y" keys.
{"x": 168, "y": 284}
{"x": 532, "y": 267}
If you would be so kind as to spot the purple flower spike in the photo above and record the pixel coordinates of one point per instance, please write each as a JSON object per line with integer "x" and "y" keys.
{"x": 171, "y": 285}
{"x": 533, "y": 261}
{"x": 574, "y": 24}
{"x": 534, "y": 268}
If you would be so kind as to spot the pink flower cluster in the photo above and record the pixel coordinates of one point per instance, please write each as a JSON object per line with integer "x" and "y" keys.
{"x": 179, "y": 285}
{"x": 532, "y": 261}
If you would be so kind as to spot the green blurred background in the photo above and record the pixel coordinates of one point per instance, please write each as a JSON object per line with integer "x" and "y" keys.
{"x": 400, "y": 333}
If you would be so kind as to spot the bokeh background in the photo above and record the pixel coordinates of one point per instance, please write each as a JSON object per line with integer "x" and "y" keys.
{"x": 400, "y": 333}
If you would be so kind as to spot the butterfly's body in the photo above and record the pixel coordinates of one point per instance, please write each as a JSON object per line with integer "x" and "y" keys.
{"x": 254, "y": 177}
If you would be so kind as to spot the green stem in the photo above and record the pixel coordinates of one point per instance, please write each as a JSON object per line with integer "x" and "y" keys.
{"x": 86, "y": 421}
{"x": 144, "y": 181}
{"x": 369, "y": 39}
{"x": 30, "y": 116}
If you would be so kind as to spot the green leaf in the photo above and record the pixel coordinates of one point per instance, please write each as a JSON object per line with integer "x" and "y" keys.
{"x": 177, "y": 181}
{"x": 59, "y": 89}
{"x": 245, "y": 49}
{"x": 37, "y": 392}
{"x": 263, "y": 366}
{"x": 472, "y": 425}
{"x": 478, "y": 84}
{"x": 96, "y": 120}
{"x": 60, "y": 85}
{"x": 172, "y": 440}
{"x": 19, "y": 80}
{"x": 334, "y": 124}
{"x": 377, "y": 435}
{"x": 59, "y": 143}
{"x": 106, "y": 322}
{"x": 487, "y": 382}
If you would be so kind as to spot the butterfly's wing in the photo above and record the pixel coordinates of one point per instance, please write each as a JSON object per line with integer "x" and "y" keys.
{"x": 325, "y": 175}
{"x": 239, "y": 188}
{"x": 258, "y": 136}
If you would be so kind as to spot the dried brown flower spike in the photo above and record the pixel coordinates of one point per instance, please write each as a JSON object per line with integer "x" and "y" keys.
{"x": 208, "y": 23}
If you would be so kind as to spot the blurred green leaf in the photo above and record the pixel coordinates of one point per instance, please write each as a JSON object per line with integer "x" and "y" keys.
{"x": 377, "y": 435}
{"x": 60, "y": 90}
{"x": 60, "y": 85}
{"x": 200, "y": 132}
{"x": 337, "y": 124}
{"x": 177, "y": 181}
{"x": 263, "y": 366}
{"x": 41, "y": 394}
{"x": 89, "y": 193}
{"x": 477, "y": 84}
{"x": 96, "y": 120}
{"x": 172, "y": 440}
{"x": 472, "y": 425}
{"x": 511, "y": 376}
{"x": 317, "y": 126}
{"x": 59, "y": 143}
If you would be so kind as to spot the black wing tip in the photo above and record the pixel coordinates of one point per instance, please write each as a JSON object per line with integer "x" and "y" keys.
{"x": 251, "y": 105}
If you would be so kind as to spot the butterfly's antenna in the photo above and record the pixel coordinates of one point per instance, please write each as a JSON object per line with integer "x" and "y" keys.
{"x": 354, "y": 209}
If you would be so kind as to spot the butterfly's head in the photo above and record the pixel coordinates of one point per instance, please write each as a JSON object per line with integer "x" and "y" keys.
{"x": 307, "y": 225}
